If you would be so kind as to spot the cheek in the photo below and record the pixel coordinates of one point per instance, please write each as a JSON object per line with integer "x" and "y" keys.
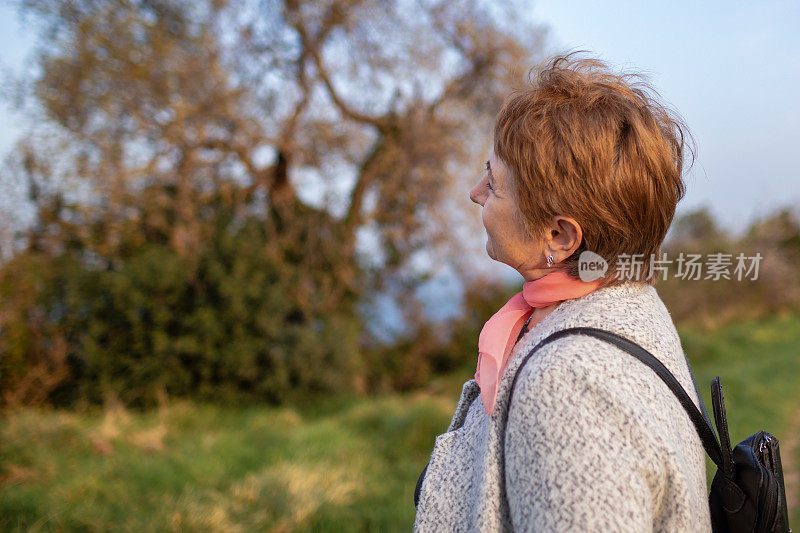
{"x": 492, "y": 222}
{"x": 486, "y": 216}
{"x": 519, "y": 229}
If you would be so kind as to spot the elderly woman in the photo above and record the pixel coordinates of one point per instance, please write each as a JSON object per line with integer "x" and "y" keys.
{"x": 584, "y": 162}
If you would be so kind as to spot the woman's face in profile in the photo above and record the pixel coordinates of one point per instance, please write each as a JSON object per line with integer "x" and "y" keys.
{"x": 507, "y": 240}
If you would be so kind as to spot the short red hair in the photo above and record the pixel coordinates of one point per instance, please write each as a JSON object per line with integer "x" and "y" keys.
{"x": 583, "y": 142}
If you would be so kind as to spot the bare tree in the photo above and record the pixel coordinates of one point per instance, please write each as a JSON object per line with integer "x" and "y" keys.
{"x": 377, "y": 112}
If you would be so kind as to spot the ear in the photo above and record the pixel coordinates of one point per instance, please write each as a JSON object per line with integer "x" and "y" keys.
{"x": 564, "y": 237}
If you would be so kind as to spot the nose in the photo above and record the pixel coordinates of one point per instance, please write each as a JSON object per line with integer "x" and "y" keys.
{"x": 475, "y": 195}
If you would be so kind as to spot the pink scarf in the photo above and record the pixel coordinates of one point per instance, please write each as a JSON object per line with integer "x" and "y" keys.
{"x": 499, "y": 333}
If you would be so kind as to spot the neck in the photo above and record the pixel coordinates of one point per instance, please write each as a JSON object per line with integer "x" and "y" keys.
{"x": 540, "y": 313}
{"x": 536, "y": 273}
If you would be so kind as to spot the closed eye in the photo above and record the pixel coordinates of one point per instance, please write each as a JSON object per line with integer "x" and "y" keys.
{"x": 489, "y": 170}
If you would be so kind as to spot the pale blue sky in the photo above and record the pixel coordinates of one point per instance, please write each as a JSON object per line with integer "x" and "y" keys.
{"x": 14, "y": 45}
{"x": 732, "y": 69}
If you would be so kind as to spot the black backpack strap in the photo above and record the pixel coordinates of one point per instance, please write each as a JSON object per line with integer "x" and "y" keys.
{"x": 700, "y": 422}
{"x": 419, "y": 485}
{"x": 703, "y": 409}
{"x": 718, "y": 403}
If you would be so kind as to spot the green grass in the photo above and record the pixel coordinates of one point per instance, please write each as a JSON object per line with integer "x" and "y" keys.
{"x": 207, "y": 468}
{"x": 346, "y": 465}
{"x": 758, "y": 363}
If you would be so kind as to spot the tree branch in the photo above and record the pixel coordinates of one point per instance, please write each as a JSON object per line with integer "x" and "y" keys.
{"x": 311, "y": 46}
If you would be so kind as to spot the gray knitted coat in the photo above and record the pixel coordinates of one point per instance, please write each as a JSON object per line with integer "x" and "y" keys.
{"x": 595, "y": 440}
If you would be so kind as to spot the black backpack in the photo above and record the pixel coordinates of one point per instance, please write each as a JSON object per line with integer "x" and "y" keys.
{"x": 747, "y": 493}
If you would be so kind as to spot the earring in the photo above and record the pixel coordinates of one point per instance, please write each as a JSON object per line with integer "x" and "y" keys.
{"x": 550, "y": 261}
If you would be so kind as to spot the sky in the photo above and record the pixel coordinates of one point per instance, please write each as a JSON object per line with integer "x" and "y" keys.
{"x": 732, "y": 70}
{"x": 14, "y": 47}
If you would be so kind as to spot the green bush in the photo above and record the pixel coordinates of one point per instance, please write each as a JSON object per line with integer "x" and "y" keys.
{"x": 238, "y": 320}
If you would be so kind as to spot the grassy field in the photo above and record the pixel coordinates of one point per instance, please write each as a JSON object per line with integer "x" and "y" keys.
{"x": 347, "y": 465}
{"x": 759, "y": 368}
